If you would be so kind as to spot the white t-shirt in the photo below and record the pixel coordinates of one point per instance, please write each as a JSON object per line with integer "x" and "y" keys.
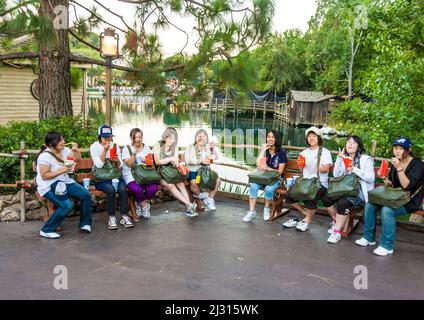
{"x": 126, "y": 171}
{"x": 193, "y": 161}
{"x": 310, "y": 169}
{"x": 43, "y": 186}
{"x": 96, "y": 150}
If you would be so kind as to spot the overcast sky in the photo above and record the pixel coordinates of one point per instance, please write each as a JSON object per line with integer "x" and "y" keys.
{"x": 289, "y": 14}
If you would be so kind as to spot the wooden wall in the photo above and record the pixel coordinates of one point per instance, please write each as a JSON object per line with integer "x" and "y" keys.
{"x": 308, "y": 113}
{"x": 16, "y": 100}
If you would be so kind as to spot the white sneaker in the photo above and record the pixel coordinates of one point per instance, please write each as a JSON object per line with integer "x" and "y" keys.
{"x": 334, "y": 237}
{"x": 292, "y": 222}
{"x": 332, "y": 227}
{"x": 146, "y": 211}
{"x": 50, "y": 235}
{"x": 112, "y": 223}
{"x": 267, "y": 214}
{"x": 191, "y": 210}
{"x": 86, "y": 228}
{"x": 210, "y": 203}
{"x": 302, "y": 226}
{"x": 203, "y": 195}
{"x": 138, "y": 210}
{"x": 249, "y": 216}
{"x": 126, "y": 222}
{"x": 382, "y": 252}
{"x": 364, "y": 242}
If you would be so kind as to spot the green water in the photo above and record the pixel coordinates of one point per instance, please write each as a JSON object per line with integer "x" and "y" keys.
{"x": 131, "y": 112}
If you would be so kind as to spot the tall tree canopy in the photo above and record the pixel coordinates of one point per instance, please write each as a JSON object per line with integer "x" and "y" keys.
{"x": 225, "y": 29}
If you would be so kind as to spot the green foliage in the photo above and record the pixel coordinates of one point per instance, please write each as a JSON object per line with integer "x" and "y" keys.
{"x": 72, "y": 128}
{"x": 77, "y": 78}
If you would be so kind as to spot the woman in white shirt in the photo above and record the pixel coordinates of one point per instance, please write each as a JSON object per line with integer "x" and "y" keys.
{"x": 54, "y": 184}
{"x": 363, "y": 167}
{"x": 100, "y": 151}
{"x": 164, "y": 153}
{"x": 142, "y": 193}
{"x": 310, "y": 170}
{"x": 201, "y": 152}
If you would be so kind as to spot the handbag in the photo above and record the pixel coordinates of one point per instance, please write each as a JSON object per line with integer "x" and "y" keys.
{"x": 144, "y": 174}
{"x": 108, "y": 172}
{"x": 267, "y": 178}
{"x": 171, "y": 174}
{"x": 307, "y": 188}
{"x": 390, "y": 197}
{"x": 208, "y": 178}
{"x": 344, "y": 186}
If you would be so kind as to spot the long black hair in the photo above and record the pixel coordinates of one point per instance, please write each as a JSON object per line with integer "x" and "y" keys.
{"x": 361, "y": 148}
{"x": 51, "y": 140}
{"x": 277, "y": 137}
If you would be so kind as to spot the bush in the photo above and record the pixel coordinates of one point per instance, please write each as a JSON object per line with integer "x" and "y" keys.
{"x": 72, "y": 129}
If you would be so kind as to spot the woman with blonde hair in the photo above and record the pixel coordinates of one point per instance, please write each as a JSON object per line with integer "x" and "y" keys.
{"x": 201, "y": 152}
{"x": 166, "y": 152}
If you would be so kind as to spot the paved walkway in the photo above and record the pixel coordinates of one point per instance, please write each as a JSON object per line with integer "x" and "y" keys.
{"x": 213, "y": 256}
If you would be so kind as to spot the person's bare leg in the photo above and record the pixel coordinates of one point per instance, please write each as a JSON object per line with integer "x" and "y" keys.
{"x": 252, "y": 204}
{"x": 297, "y": 206}
{"x": 333, "y": 212}
{"x": 341, "y": 221}
{"x": 267, "y": 203}
{"x": 309, "y": 214}
{"x": 182, "y": 188}
{"x": 176, "y": 192}
{"x": 213, "y": 193}
{"x": 194, "y": 187}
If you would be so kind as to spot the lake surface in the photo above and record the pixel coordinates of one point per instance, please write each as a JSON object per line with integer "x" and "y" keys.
{"x": 140, "y": 112}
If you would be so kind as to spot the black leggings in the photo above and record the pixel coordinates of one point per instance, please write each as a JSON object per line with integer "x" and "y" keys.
{"x": 111, "y": 198}
{"x": 312, "y": 204}
{"x": 343, "y": 206}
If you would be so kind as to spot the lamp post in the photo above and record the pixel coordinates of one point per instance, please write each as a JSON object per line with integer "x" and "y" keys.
{"x": 109, "y": 50}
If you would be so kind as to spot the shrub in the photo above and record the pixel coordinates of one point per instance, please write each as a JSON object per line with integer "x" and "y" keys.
{"x": 72, "y": 128}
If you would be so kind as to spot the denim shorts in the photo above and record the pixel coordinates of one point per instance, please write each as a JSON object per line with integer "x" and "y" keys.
{"x": 192, "y": 175}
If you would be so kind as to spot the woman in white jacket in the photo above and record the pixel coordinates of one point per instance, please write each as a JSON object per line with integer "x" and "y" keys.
{"x": 363, "y": 167}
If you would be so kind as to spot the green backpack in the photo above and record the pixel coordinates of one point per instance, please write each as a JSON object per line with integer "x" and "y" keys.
{"x": 267, "y": 178}
{"x": 344, "y": 186}
{"x": 144, "y": 174}
{"x": 108, "y": 172}
{"x": 307, "y": 188}
{"x": 208, "y": 178}
{"x": 171, "y": 174}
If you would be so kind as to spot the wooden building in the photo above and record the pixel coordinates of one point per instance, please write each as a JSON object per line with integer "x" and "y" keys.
{"x": 309, "y": 107}
{"x": 17, "y": 101}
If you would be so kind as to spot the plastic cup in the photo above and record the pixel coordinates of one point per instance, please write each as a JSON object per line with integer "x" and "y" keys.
{"x": 301, "y": 161}
{"x": 86, "y": 183}
{"x": 348, "y": 161}
{"x": 115, "y": 183}
{"x": 289, "y": 182}
{"x": 149, "y": 159}
{"x": 384, "y": 168}
{"x": 112, "y": 152}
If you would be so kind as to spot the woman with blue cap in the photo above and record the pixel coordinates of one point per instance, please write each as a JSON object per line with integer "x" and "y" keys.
{"x": 407, "y": 172}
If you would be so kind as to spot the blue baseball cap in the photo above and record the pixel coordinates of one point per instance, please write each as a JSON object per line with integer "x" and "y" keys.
{"x": 105, "y": 131}
{"x": 403, "y": 142}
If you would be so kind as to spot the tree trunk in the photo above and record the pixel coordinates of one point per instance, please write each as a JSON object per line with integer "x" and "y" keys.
{"x": 55, "y": 67}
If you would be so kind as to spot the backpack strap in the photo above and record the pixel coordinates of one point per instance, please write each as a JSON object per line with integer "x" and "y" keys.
{"x": 55, "y": 156}
{"x": 319, "y": 160}
{"x": 129, "y": 150}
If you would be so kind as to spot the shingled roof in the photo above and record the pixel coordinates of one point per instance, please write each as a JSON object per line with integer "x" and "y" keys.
{"x": 310, "y": 96}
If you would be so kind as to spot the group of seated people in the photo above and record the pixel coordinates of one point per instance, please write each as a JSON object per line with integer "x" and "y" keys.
{"x": 55, "y": 184}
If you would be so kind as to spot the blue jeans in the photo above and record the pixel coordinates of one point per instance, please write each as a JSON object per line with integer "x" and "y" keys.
{"x": 269, "y": 190}
{"x": 63, "y": 207}
{"x": 388, "y": 223}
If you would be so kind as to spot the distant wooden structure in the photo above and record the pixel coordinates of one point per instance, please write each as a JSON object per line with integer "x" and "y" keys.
{"x": 309, "y": 107}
